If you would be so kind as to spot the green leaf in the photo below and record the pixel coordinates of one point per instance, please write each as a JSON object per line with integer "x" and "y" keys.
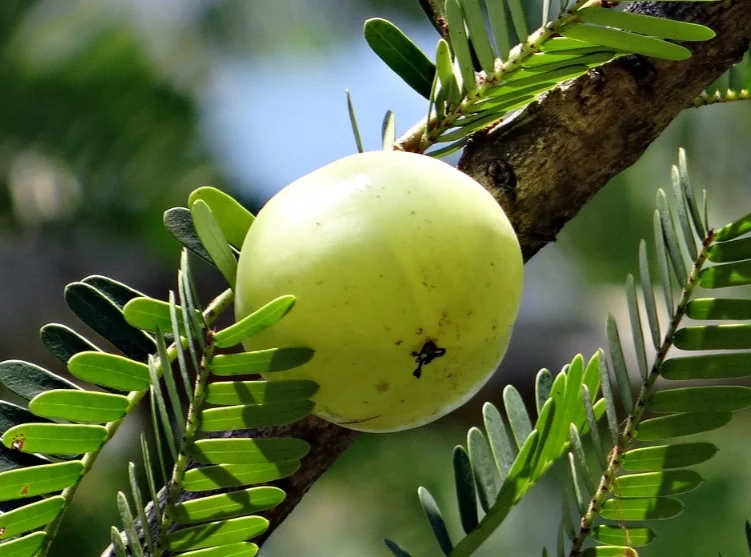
{"x": 559, "y": 44}
{"x": 580, "y": 458}
{"x": 228, "y": 393}
{"x": 636, "y": 326}
{"x": 616, "y": 535}
{"x": 101, "y": 314}
{"x": 594, "y": 432}
{"x": 395, "y": 549}
{"x": 683, "y": 216}
{"x": 234, "y": 219}
{"x": 676, "y": 425}
{"x": 213, "y": 240}
{"x": 646, "y": 25}
{"x": 228, "y": 505}
{"x": 254, "y": 415}
{"x": 119, "y": 293}
{"x": 149, "y": 471}
{"x": 437, "y": 524}
{"x": 478, "y": 34}
{"x": 11, "y": 416}
{"x": 28, "y": 546}
{"x": 518, "y": 18}
{"x": 400, "y": 54}
{"x": 28, "y": 380}
{"x": 240, "y": 549}
{"x": 29, "y": 517}
{"x": 543, "y": 386}
{"x": 446, "y": 77}
{"x": 460, "y": 44}
{"x": 388, "y": 131}
{"x": 619, "y": 364}
{"x": 248, "y": 451}
{"x": 500, "y": 444}
{"x": 688, "y": 193}
{"x": 138, "y": 502}
{"x": 169, "y": 382}
{"x": 607, "y": 395}
{"x": 217, "y": 533}
{"x": 39, "y": 480}
{"x": 252, "y": 324}
{"x": 518, "y": 418}
{"x": 722, "y": 276}
{"x": 151, "y": 315}
{"x": 353, "y": 122}
{"x": 662, "y": 262}
{"x": 179, "y": 349}
{"x": 714, "y": 337}
{"x": 709, "y": 366}
{"x": 717, "y": 398}
{"x": 237, "y": 475}
{"x": 649, "y": 295}
{"x": 179, "y": 223}
{"x": 129, "y": 525}
{"x": 56, "y": 439}
{"x": 671, "y": 238}
{"x": 622, "y": 40}
{"x": 465, "y": 489}
{"x": 668, "y": 456}
{"x": 609, "y": 551}
{"x": 79, "y": 406}
{"x": 109, "y": 370}
{"x": 575, "y": 486}
{"x": 649, "y": 508}
{"x": 726, "y": 252}
{"x": 484, "y": 468}
{"x": 64, "y": 343}
{"x": 159, "y": 411}
{"x": 719, "y": 309}
{"x": 734, "y": 229}
{"x": 117, "y": 543}
{"x": 260, "y": 361}
{"x": 653, "y": 484}
{"x": 499, "y": 26}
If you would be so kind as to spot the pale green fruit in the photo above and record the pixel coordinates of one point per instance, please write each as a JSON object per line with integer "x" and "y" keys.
{"x": 408, "y": 278}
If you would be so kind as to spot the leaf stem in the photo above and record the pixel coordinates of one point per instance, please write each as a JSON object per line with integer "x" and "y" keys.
{"x": 174, "y": 486}
{"x": 217, "y": 306}
{"x": 626, "y": 435}
{"x": 721, "y": 97}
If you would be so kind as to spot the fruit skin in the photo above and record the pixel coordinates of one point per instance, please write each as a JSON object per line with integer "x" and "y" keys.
{"x": 394, "y": 258}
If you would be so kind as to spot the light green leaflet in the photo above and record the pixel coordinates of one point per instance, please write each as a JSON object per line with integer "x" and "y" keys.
{"x": 668, "y": 456}
{"x": 623, "y": 40}
{"x": 260, "y": 361}
{"x": 228, "y": 505}
{"x": 646, "y": 25}
{"x": 254, "y": 415}
{"x": 79, "y": 406}
{"x": 149, "y": 314}
{"x": 217, "y": 533}
{"x": 38, "y": 480}
{"x": 615, "y": 535}
{"x": 63, "y": 439}
{"x": 712, "y": 366}
{"x": 254, "y": 323}
{"x": 27, "y": 518}
{"x": 647, "y": 508}
{"x": 213, "y": 240}
{"x": 228, "y": 393}
{"x": 237, "y": 475}
{"x": 653, "y": 484}
{"x": 109, "y": 370}
{"x": 248, "y": 451}
{"x": 713, "y": 398}
{"x": 242, "y": 549}
{"x": 676, "y": 425}
{"x": 23, "y": 547}
{"x": 234, "y": 219}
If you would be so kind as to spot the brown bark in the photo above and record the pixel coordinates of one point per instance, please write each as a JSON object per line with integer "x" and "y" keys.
{"x": 547, "y": 162}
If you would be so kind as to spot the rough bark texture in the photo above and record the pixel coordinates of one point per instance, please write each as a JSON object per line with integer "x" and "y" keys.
{"x": 545, "y": 164}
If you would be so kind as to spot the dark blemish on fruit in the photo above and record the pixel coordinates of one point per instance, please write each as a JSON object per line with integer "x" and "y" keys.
{"x": 429, "y": 352}
{"x": 382, "y": 387}
{"x": 412, "y": 212}
{"x": 398, "y": 342}
{"x": 419, "y": 331}
{"x": 25, "y": 489}
{"x": 319, "y": 282}
{"x": 361, "y": 420}
{"x": 380, "y": 276}
{"x": 18, "y": 442}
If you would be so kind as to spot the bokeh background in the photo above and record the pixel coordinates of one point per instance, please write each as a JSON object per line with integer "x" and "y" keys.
{"x": 112, "y": 111}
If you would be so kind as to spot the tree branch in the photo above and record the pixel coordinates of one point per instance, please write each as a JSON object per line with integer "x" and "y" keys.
{"x": 547, "y": 162}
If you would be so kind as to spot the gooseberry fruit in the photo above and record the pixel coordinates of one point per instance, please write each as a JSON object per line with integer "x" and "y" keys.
{"x": 408, "y": 279}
